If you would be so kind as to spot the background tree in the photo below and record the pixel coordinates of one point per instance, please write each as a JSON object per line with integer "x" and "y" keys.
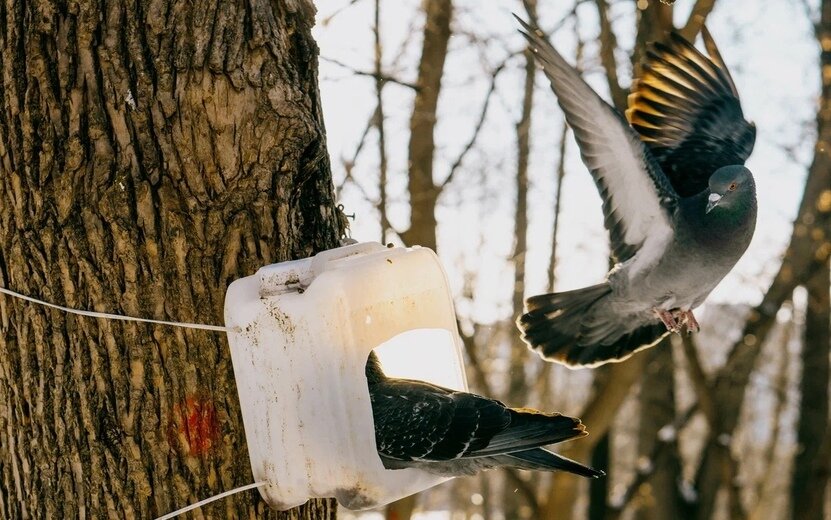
{"x": 728, "y": 423}
{"x": 151, "y": 153}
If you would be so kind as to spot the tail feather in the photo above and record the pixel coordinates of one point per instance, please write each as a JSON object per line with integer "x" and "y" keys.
{"x": 620, "y": 350}
{"x": 558, "y": 316}
{"x": 561, "y": 327}
{"x": 540, "y": 459}
{"x": 530, "y": 429}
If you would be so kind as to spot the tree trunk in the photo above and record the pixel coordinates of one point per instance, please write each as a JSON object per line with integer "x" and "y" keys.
{"x": 152, "y": 152}
{"x": 424, "y": 193}
{"x": 380, "y": 125}
{"x": 517, "y": 384}
{"x": 518, "y": 356}
{"x": 809, "y": 480}
{"x": 659, "y": 497}
{"x": 599, "y": 487}
{"x": 598, "y": 414}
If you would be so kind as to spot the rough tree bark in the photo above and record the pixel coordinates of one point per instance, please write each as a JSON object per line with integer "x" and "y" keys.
{"x": 151, "y": 153}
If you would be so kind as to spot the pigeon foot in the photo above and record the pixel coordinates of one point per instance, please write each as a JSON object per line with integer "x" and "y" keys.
{"x": 688, "y": 319}
{"x": 668, "y": 319}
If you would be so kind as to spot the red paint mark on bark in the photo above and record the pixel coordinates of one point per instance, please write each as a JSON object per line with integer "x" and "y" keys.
{"x": 196, "y": 428}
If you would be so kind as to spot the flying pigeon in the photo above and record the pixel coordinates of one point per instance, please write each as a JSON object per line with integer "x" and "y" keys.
{"x": 451, "y": 433}
{"x": 679, "y": 205}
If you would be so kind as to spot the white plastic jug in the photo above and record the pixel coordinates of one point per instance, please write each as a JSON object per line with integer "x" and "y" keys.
{"x": 301, "y": 334}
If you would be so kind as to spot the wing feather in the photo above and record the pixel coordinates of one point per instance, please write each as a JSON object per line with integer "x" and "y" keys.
{"x": 417, "y": 421}
{"x": 686, "y": 109}
{"x": 638, "y": 199}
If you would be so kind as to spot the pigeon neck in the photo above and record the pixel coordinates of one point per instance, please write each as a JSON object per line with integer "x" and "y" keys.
{"x": 737, "y": 211}
{"x": 729, "y": 219}
{"x": 723, "y": 222}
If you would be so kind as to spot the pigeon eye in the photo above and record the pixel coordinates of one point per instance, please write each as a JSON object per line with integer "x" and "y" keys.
{"x": 732, "y": 187}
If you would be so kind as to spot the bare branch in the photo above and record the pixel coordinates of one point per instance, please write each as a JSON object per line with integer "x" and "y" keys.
{"x": 328, "y": 19}
{"x": 531, "y": 10}
{"x": 701, "y": 383}
{"x": 477, "y": 129}
{"x": 608, "y": 46}
{"x": 698, "y": 16}
{"x": 378, "y": 77}
{"x": 479, "y": 372}
{"x": 517, "y": 384}
{"x": 485, "y": 105}
{"x": 349, "y": 164}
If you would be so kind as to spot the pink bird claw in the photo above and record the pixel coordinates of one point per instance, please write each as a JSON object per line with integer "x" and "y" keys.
{"x": 688, "y": 319}
{"x": 668, "y": 319}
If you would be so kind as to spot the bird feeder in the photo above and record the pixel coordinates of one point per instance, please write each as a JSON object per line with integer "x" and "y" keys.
{"x": 300, "y": 333}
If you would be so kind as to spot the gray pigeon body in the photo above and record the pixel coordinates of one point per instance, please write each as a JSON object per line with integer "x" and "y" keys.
{"x": 451, "y": 433}
{"x": 679, "y": 205}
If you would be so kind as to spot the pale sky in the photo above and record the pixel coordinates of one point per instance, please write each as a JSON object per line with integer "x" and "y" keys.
{"x": 767, "y": 44}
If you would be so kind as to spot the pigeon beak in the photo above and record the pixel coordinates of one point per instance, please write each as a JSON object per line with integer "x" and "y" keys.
{"x": 712, "y": 202}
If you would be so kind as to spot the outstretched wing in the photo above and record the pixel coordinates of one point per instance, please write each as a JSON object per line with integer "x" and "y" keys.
{"x": 638, "y": 199}
{"x": 686, "y": 109}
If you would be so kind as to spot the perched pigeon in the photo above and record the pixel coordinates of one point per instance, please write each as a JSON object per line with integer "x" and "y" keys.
{"x": 450, "y": 433}
{"x": 679, "y": 206}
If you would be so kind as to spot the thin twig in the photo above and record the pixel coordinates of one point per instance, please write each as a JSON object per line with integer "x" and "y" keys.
{"x": 348, "y": 165}
{"x": 326, "y": 21}
{"x": 371, "y": 122}
{"x": 698, "y": 15}
{"x": 608, "y": 46}
{"x": 382, "y": 77}
{"x": 479, "y": 124}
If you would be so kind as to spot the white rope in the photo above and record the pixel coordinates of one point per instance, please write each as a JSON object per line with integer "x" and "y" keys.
{"x": 92, "y": 314}
{"x": 109, "y": 316}
{"x": 211, "y": 499}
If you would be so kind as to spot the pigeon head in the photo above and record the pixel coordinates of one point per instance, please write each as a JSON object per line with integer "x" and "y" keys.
{"x": 730, "y": 188}
{"x": 374, "y": 372}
